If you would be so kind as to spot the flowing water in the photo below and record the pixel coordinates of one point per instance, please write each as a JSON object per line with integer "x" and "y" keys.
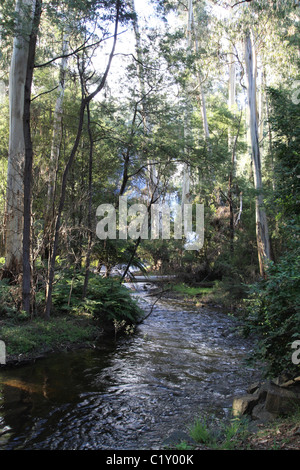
{"x": 180, "y": 363}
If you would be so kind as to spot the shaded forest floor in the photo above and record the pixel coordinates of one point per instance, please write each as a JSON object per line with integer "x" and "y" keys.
{"x": 284, "y": 434}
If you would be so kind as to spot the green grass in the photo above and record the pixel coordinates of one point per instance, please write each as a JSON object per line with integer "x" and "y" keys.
{"x": 29, "y": 337}
{"x": 235, "y": 434}
{"x": 183, "y": 288}
{"x": 226, "y": 435}
{"x": 200, "y": 432}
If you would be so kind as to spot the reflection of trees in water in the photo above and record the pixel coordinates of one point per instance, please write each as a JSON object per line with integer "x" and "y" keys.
{"x": 16, "y": 406}
{"x": 18, "y": 400}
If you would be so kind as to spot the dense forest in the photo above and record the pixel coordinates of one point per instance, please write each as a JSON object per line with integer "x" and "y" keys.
{"x": 173, "y": 102}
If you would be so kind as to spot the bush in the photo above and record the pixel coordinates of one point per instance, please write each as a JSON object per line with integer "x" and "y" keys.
{"x": 273, "y": 314}
{"x": 10, "y": 299}
{"x": 107, "y": 300}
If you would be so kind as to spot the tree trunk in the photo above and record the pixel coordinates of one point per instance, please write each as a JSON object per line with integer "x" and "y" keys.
{"x": 185, "y": 197}
{"x": 193, "y": 38}
{"x": 55, "y": 150}
{"x": 152, "y": 169}
{"x": 89, "y": 221}
{"x": 85, "y": 102}
{"x": 15, "y": 170}
{"x": 26, "y": 291}
{"x": 262, "y": 233}
{"x": 231, "y": 147}
{"x": 201, "y": 95}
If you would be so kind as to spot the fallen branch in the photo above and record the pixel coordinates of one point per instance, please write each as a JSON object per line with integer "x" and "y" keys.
{"x": 152, "y": 306}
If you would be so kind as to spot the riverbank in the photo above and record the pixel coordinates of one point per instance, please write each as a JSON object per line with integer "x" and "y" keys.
{"x": 28, "y": 341}
{"x": 36, "y": 339}
{"x": 282, "y": 434}
{"x": 238, "y": 433}
{"x": 212, "y": 294}
{"x": 75, "y": 322}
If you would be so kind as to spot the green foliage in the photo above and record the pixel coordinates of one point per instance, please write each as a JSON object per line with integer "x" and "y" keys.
{"x": 107, "y": 300}
{"x": 190, "y": 291}
{"x": 41, "y": 336}
{"x": 8, "y": 299}
{"x": 285, "y": 122}
{"x": 274, "y": 314}
{"x": 200, "y": 432}
{"x": 273, "y": 305}
{"x": 223, "y": 436}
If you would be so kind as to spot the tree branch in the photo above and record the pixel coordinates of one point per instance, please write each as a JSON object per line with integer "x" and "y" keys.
{"x": 238, "y": 3}
{"x": 79, "y": 49}
{"x": 44, "y": 93}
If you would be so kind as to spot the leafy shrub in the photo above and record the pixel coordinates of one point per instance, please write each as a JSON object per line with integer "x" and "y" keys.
{"x": 9, "y": 299}
{"x": 107, "y": 300}
{"x": 273, "y": 314}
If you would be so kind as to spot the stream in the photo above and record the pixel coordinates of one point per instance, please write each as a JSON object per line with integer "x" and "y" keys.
{"x": 182, "y": 362}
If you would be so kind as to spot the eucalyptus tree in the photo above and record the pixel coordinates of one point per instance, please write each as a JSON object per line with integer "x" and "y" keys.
{"x": 262, "y": 231}
{"x": 24, "y": 14}
{"x": 86, "y": 98}
{"x": 257, "y": 46}
{"x": 83, "y": 20}
{"x": 28, "y": 161}
{"x": 56, "y": 144}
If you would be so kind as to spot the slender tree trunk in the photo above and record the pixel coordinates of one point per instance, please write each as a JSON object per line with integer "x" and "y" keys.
{"x": 231, "y": 146}
{"x": 201, "y": 95}
{"x": 85, "y": 101}
{"x": 89, "y": 219}
{"x": 15, "y": 170}
{"x": 152, "y": 170}
{"x": 192, "y": 38}
{"x": 26, "y": 291}
{"x": 185, "y": 197}
{"x": 55, "y": 150}
{"x": 231, "y": 95}
{"x": 270, "y": 137}
{"x": 230, "y": 186}
{"x": 262, "y": 233}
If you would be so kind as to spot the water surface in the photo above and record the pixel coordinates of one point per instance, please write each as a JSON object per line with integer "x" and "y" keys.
{"x": 180, "y": 363}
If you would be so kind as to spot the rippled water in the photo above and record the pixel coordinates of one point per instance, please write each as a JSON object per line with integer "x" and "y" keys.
{"x": 179, "y": 364}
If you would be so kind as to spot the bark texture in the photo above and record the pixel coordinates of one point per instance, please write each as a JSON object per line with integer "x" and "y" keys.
{"x": 15, "y": 170}
{"x": 262, "y": 233}
{"x": 27, "y": 271}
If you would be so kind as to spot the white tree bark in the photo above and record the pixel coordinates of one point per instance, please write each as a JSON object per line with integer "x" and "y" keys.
{"x": 186, "y": 170}
{"x": 231, "y": 94}
{"x": 15, "y": 186}
{"x": 57, "y": 134}
{"x": 201, "y": 92}
{"x": 153, "y": 178}
{"x": 192, "y": 39}
{"x": 262, "y": 233}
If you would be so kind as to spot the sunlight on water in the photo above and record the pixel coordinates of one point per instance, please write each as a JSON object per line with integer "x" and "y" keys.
{"x": 129, "y": 394}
